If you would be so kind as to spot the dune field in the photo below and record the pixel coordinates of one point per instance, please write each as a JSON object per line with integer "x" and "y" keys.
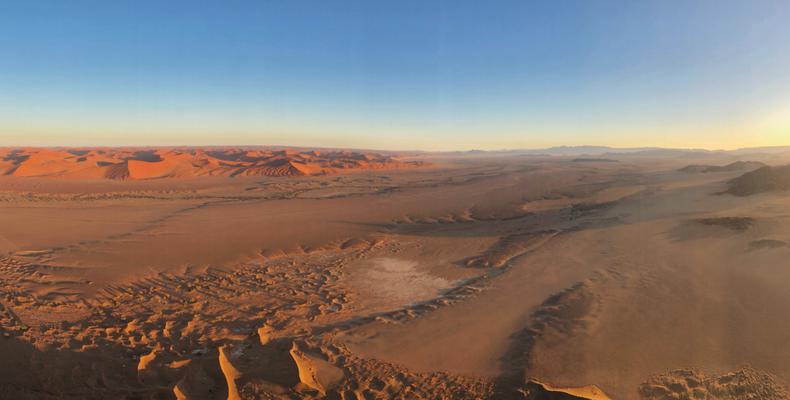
{"x": 226, "y": 273}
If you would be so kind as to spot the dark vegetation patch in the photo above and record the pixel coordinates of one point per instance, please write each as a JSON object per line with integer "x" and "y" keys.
{"x": 593, "y": 160}
{"x": 736, "y": 166}
{"x": 766, "y": 244}
{"x": 586, "y": 209}
{"x": 739, "y": 224}
{"x": 146, "y": 155}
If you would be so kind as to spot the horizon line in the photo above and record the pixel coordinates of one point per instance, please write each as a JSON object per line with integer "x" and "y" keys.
{"x": 319, "y": 147}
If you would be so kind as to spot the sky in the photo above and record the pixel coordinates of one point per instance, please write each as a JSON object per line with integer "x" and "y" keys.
{"x": 422, "y": 75}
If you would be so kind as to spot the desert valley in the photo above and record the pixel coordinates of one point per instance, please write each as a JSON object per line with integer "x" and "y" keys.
{"x": 260, "y": 273}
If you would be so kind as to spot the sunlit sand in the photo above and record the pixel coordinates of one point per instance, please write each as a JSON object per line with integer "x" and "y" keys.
{"x": 469, "y": 276}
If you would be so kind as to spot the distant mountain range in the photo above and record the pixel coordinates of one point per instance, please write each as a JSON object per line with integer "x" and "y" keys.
{"x": 574, "y": 151}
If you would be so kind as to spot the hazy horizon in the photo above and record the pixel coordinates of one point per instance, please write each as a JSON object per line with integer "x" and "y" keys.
{"x": 287, "y": 146}
{"x": 407, "y": 76}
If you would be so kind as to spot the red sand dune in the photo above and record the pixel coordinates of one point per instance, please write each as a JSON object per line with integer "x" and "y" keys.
{"x": 139, "y": 164}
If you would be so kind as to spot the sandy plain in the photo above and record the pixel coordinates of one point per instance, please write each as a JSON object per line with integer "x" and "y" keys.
{"x": 464, "y": 276}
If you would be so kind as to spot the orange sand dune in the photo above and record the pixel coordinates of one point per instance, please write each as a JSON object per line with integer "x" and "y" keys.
{"x": 143, "y": 164}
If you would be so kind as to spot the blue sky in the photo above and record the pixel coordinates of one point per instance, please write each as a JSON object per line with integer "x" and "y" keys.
{"x": 397, "y": 75}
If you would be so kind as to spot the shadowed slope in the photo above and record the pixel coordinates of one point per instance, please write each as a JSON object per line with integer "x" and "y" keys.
{"x": 766, "y": 179}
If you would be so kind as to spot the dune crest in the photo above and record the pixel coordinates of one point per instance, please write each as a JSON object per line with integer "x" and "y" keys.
{"x": 314, "y": 372}
{"x": 265, "y": 334}
{"x": 145, "y": 360}
{"x": 230, "y": 372}
{"x": 539, "y": 390}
